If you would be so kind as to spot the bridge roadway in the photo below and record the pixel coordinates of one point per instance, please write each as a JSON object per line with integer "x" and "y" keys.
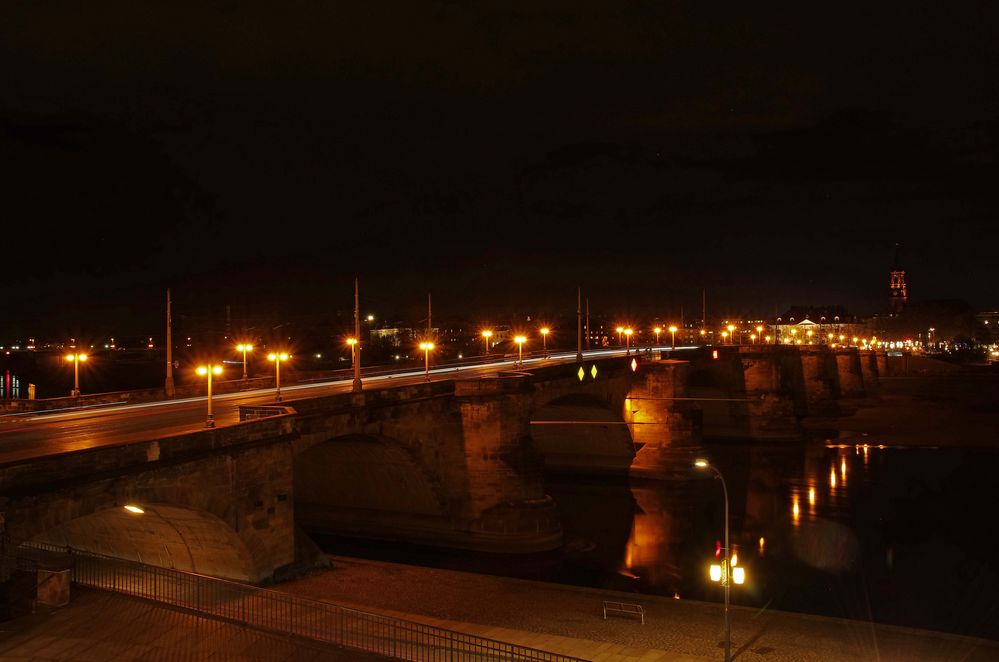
{"x": 25, "y": 436}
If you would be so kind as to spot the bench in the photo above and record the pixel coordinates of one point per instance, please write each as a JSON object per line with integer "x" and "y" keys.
{"x": 626, "y": 608}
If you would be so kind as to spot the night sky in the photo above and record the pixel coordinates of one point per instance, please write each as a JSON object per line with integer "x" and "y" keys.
{"x": 496, "y": 153}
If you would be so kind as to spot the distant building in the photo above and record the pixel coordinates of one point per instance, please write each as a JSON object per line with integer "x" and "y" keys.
{"x": 820, "y": 324}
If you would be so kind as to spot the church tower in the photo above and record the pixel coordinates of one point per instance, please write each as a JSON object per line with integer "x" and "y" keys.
{"x": 898, "y": 293}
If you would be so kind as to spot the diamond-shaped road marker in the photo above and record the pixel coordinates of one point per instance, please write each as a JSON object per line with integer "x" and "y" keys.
{"x": 593, "y": 371}
{"x": 581, "y": 373}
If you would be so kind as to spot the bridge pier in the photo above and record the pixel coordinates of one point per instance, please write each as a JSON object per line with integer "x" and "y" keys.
{"x": 661, "y": 421}
{"x": 849, "y": 372}
{"x": 506, "y": 508}
{"x": 820, "y": 381}
{"x": 769, "y": 411}
{"x": 869, "y": 370}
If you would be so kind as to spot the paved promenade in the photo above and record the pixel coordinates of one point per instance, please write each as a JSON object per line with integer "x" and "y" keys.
{"x": 103, "y": 626}
{"x": 98, "y": 626}
{"x": 568, "y": 620}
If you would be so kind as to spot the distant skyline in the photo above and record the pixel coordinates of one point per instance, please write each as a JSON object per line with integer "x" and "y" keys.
{"x": 497, "y": 156}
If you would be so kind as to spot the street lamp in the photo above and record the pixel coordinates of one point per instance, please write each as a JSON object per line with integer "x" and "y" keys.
{"x": 544, "y": 339}
{"x": 520, "y": 340}
{"x": 759, "y": 331}
{"x": 724, "y": 335}
{"x": 657, "y": 331}
{"x": 353, "y": 343}
{"x": 731, "y": 329}
{"x": 619, "y": 330}
{"x": 244, "y": 348}
{"x": 809, "y": 333}
{"x": 723, "y": 573}
{"x": 486, "y": 335}
{"x": 627, "y": 340}
{"x": 426, "y": 347}
{"x": 277, "y": 358}
{"x": 752, "y": 338}
{"x": 75, "y": 360}
{"x": 209, "y": 370}
{"x": 672, "y": 331}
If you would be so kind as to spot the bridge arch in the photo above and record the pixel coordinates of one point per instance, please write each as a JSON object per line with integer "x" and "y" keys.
{"x": 581, "y": 433}
{"x": 366, "y": 485}
{"x": 164, "y": 535}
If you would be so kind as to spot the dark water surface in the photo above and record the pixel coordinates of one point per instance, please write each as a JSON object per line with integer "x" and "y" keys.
{"x": 903, "y": 536}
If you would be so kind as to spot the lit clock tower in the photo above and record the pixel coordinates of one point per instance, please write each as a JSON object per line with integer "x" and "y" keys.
{"x": 898, "y": 293}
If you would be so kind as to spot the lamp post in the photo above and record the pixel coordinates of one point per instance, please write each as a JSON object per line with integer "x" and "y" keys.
{"x": 724, "y": 335}
{"x": 75, "y": 360}
{"x": 657, "y": 331}
{"x": 731, "y": 333}
{"x": 426, "y": 347}
{"x": 244, "y": 347}
{"x": 277, "y": 358}
{"x": 520, "y": 340}
{"x": 544, "y": 339}
{"x": 759, "y": 331}
{"x": 486, "y": 335}
{"x": 704, "y": 464}
{"x": 627, "y": 340}
{"x": 619, "y": 330}
{"x": 352, "y": 342}
{"x": 672, "y": 331}
{"x": 209, "y": 370}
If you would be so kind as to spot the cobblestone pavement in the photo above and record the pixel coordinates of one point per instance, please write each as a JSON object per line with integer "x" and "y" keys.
{"x": 98, "y": 626}
{"x": 569, "y": 620}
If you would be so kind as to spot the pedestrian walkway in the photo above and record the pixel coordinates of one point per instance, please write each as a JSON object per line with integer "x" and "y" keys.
{"x": 98, "y": 626}
{"x": 569, "y": 620}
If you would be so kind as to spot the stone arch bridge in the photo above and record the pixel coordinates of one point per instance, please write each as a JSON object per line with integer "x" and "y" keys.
{"x": 454, "y": 463}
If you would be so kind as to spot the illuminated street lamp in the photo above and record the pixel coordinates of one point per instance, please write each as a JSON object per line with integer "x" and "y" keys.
{"x": 672, "y": 330}
{"x": 244, "y": 347}
{"x": 75, "y": 360}
{"x": 752, "y": 338}
{"x": 209, "y": 370}
{"x": 486, "y": 335}
{"x": 619, "y": 330}
{"x": 277, "y": 358}
{"x": 723, "y": 573}
{"x": 353, "y": 344}
{"x": 657, "y": 331}
{"x": 627, "y": 340}
{"x": 520, "y": 340}
{"x": 426, "y": 347}
{"x": 809, "y": 333}
{"x": 544, "y": 339}
{"x": 731, "y": 334}
{"x": 724, "y": 335}
{"x": 759, "y": 331}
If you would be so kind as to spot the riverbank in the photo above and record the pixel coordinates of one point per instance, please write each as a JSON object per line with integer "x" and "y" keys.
{"x": 940, "y": 410}
{"x": 552, "y": 615}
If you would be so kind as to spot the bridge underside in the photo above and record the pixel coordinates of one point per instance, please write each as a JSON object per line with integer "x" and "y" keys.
{"x": 580, "y": 434}
{"x": 163, "y": 535}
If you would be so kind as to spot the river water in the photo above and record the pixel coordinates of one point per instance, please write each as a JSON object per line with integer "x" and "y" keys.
{"x": 894, "y": 535}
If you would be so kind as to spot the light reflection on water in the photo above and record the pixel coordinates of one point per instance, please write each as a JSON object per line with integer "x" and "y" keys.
{"x": 880, "y": 534}
{"x": 10, "y": 386}
{"x": 861, "y": 532}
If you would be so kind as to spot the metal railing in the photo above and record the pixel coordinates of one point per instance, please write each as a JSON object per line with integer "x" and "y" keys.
{"x": 286, "y": 614}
